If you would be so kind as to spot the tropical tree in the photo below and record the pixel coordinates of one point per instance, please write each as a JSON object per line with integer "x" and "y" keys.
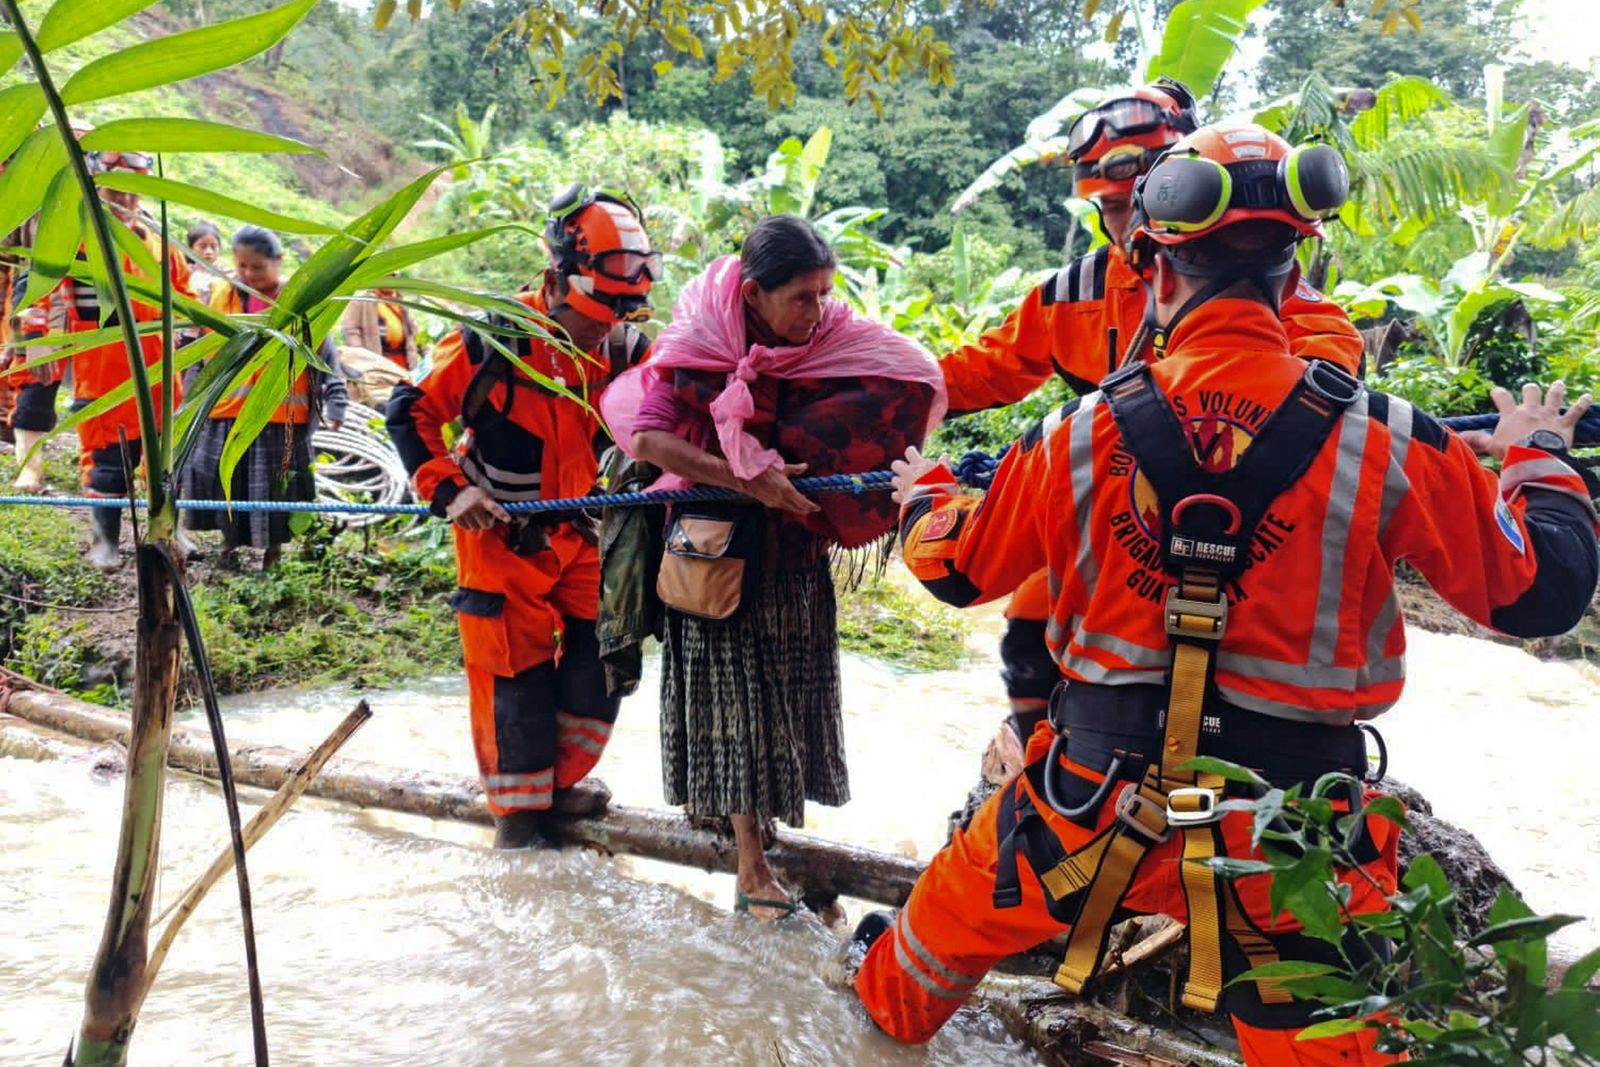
{"x": 48, "y": 175}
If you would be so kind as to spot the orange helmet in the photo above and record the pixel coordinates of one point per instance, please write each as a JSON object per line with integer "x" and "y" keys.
{"x": 1113, "y": 143}
{"x": 1221, "y": 175}
{"x": 597, "y": 242}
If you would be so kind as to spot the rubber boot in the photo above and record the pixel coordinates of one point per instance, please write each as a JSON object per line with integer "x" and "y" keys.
{"x": 520, "y": 829}
{"x": 107, "y": 527}
{"x": 589, "y": 797}
{"x": 187, "y": 546}
{"x": 873, "y": 925}
{"x": 30, "y": 472}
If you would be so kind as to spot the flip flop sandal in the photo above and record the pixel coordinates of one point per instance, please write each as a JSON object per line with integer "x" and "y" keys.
{"x": 789, "y": 907}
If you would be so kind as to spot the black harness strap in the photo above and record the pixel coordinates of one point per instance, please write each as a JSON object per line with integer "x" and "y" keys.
{"x": 1209, "y": 517}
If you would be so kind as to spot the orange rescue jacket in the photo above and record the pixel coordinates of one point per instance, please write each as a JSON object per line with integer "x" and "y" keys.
{"x": 1063, "y": 327}
{"x": 74, "y": 308}
{"x": 1314, "y": 629}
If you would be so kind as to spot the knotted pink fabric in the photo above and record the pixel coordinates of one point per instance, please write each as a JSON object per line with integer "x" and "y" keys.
{"x": 707, "y": 333}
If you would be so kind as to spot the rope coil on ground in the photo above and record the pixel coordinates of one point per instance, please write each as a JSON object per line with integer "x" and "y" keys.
{"x": 356, "y": 464}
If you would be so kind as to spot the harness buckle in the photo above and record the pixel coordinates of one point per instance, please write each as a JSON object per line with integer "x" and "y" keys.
{"x": 1205, "y": 813}
{"x": 1131, "y": 804}
{"x": 1178, "y": 607}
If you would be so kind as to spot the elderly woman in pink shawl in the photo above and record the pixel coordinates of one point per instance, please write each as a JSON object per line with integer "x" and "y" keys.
{"x": 762, "y": 376}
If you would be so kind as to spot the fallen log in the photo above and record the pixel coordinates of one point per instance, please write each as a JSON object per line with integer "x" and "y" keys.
{"x": 811, "y": 864}
{"x": 1066, "y": 1030}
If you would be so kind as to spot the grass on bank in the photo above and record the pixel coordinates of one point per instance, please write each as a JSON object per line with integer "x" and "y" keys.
{"x": 907, "y": 628}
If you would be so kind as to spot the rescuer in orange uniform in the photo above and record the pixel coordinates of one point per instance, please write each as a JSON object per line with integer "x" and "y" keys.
{"x": 1220, "y": 529}
{"x": 530, "y": 587}
{"x": 74, "y": 308}
{"x": 1084, "y": 321}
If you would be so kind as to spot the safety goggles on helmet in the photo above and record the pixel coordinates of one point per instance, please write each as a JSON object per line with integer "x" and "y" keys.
{"x": 114, "y": 160}
{"x": 1122, "y": 164}
{"x": 574, "y": 198}
{"x": 625, "y": 265}
{"x": 1130, "y": 116}
{"x": 1187, "y": 193}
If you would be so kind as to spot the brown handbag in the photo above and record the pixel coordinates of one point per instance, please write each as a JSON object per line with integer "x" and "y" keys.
{"x": 711, "y": 563}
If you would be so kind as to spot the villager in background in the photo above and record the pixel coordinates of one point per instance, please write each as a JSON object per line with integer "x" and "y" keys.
{"x": 277, "y": 464}
{"x": 1084, "y": 322}
{"x": 530, "y": 586}
{"x": 1221, "y": 528}
{"x": 383, "y": 326}
{"x": 762, "y": 375}
{"x": 205, "y": 268}
{"x": 73, "y": 307}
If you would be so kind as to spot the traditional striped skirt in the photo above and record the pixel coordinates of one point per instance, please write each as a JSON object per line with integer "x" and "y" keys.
{"x": 276, "y": 466}
{"x": 750, "y": 710}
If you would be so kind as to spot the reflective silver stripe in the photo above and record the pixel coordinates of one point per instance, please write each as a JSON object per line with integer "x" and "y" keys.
{"x": 1378, "y": 633}
{"x": 567, "y": 721}
{"x": 1062, "y": 285}
{"x": 520, "y": 802}
{"x": 1395, "y": 482}
{"x": 512, "y": 781}
{"x": 1310, "y": 677}
{"x": 1336, "y": 531}
{"x": 508, "y": 477}
{"x": 474, "y": 473}
{"x": 1086, "y": 278}
{"x": 1081, "y": 449}
{"x": 585, "y": 742}
{"x": 917, "y": 492}
{"x": 1519, "y": 474}
{"x": 910, "y": 970}
{"x": 1135, "y": 654}
{"x": 1277, "y": 709}
{"x": 1052, "y": 584}
{"x": 954, "y": 977}
{"x": 1095, "y": 672}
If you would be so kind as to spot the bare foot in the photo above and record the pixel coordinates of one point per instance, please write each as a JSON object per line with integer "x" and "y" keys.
{"x": 764, "y": 889}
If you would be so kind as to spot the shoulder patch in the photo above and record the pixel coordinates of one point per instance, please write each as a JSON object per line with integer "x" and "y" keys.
{"x": 1508, "y": 526}
{"x": 424, "y": 367}
{"x": 941, "y": 525}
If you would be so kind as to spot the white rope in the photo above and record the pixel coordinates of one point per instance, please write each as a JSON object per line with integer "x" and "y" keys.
{"x": 357, "y": 464}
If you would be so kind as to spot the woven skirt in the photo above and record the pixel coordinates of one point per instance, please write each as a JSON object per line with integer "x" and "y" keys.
{"x": 750, "y": 711}
{"x": 276, "y": 466}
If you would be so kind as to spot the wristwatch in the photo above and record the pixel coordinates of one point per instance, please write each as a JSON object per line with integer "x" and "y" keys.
{"x": 1545, "y": 441}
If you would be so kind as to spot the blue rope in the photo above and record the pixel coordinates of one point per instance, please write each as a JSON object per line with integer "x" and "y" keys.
{"x": 872, "y": 481}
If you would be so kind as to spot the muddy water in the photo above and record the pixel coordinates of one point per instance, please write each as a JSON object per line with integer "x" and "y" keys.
{"x": 394, "y": 940}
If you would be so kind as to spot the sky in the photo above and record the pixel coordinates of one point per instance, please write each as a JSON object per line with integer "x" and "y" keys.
{"x": 1565, "y": 30}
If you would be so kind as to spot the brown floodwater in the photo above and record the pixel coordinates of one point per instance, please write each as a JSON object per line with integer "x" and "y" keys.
{"x": 388, "y": 939}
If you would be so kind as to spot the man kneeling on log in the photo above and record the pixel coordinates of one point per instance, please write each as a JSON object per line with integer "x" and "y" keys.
{"x": 1220, "y": 529}
{"x": 529, "y": 586}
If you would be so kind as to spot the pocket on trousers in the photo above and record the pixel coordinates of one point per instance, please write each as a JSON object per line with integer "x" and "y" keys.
{"x": 484, "y": 642}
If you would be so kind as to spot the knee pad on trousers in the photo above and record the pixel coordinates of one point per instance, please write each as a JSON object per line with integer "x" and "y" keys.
{"x": 35, "y": 408}
{"x": 1027, "y": 668}
{"x": 104, "y": 475}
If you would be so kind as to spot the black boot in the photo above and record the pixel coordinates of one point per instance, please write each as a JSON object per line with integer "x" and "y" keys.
{"x": 106, "y": 524}
{"x": 520, "y": 829}
{"x": 873, "y": 925}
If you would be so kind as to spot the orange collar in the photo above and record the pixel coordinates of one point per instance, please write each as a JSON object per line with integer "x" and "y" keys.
{"x": 1119, "y": 275}
{"x": 1231, "y": 325}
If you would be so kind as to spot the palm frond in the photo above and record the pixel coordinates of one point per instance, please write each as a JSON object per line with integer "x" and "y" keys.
{"x": 1396, "y": 182}
{"x": 1400, "y": 102}
{"x": 1575, "y": 219}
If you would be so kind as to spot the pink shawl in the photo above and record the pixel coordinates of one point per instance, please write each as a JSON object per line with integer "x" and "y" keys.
{"x": 707, "y": 333}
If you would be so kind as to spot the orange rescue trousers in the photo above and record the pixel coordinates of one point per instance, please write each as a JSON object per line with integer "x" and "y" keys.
{"x": 540, "y": 714}
{"x": 950, "y": 933}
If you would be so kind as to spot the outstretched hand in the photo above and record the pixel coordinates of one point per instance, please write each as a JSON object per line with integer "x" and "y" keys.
{"x": 907, "y": 471}
{"x": 1538, "y": 411}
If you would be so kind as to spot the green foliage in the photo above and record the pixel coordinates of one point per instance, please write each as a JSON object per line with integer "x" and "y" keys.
{"x": 367, "y": 612}
{"x": 1449, "y": 993}
{"x": 57, "y": 653}
{"x": 1199, "y": 39}
{"x": 881, "y": 618}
